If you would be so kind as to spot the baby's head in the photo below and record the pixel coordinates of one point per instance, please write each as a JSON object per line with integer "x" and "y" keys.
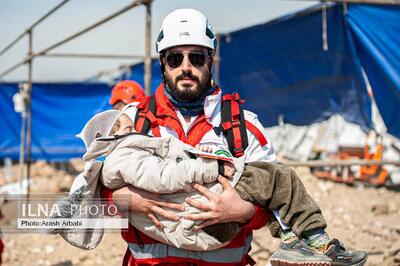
{"x": 104, "y": 124}
{"x": 122, "y": 126}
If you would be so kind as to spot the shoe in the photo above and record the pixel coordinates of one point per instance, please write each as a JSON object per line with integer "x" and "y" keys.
{"x": 340, "y": 256}
{"x": 297, "y": 253}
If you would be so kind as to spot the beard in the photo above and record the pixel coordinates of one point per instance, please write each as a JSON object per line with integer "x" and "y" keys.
{"x": 188, "y": 93}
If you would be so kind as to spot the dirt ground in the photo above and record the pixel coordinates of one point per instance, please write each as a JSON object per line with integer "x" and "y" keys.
{"x": 363, "y": 218}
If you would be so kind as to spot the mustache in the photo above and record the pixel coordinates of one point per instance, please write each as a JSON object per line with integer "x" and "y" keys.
{"x": 187, "y": 75}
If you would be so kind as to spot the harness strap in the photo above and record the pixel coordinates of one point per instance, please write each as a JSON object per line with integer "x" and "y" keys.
{"x": 233, "y": 124}
{"x": 145, "y": 118}
{"x": 256, "y": 132}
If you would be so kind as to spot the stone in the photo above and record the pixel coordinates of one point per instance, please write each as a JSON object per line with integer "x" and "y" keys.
{"x": 49, "y": 249}
{"x": 380, "y": 208}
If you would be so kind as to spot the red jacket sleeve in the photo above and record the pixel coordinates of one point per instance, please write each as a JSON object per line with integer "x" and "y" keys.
{"x": 106, "y": 198}
{"x": 259, "y": 219}
{"x": 106, "y": 195}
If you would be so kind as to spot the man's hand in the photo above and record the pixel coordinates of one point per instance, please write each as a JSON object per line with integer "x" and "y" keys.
{"x": 224, "y": 208}
{"x": 149, "y": 204}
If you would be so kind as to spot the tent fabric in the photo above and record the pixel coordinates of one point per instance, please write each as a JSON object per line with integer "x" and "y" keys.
{"x": 376, "y": 33}
{"x": 281, "y": 69}
{"x": 59, "y": 112}
{"x": 136, "y": 73}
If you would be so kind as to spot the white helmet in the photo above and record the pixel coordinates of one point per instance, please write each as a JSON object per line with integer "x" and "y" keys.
{"x": 185, "y": 27}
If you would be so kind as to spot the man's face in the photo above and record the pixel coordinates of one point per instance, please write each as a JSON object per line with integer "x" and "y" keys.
{"x": 186, "y": 74}
{"x": 119, "y": 105}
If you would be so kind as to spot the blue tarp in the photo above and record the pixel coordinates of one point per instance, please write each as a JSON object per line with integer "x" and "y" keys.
{"x": 59, "y": 112}
{"x": 136, "y": 73}
{"x": 376, "y": 31}
{"x": 279, "y": 67}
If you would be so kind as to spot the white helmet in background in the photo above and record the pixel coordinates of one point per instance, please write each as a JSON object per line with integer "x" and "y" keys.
{"x": 185, "y": 27}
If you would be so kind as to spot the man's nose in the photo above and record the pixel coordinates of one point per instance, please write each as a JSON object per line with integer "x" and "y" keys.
{"x": 186, "y": 65}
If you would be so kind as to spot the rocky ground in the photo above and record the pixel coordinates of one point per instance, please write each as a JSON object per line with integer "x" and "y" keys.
{"x": 364, "y": 218}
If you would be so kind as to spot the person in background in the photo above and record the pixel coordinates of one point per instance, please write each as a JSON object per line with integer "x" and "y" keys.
{"x": 126, "y": 92}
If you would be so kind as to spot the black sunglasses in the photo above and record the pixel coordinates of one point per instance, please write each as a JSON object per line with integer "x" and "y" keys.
{"x": 175, "y": 59}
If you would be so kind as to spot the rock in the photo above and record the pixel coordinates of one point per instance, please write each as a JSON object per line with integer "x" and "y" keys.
{"x": 36, "y": 250}
{"x": 380, "y": 208}
{"x": 347, "y": 218}
{"x": 49, "y": 249}
{"x": 340, "y": 210}
{"x": 325, "y": 186}
{"x": 65, "y": 184}
{"x": 364, "y": 228}
{"x": 395, "y": 249}
{"x": 392, "y": 207}
{"x": 397, "y": 259}
{"x": 377, "y": 224}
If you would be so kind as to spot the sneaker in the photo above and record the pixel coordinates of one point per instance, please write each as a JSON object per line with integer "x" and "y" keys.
{"x": 297, "y": 253}
{"x": 342, "y": 257}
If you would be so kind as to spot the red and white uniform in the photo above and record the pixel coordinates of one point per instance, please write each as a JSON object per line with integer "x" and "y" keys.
{"x": 146, "y": 251}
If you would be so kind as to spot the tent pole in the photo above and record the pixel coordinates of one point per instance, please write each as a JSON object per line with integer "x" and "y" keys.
{"x": 29, "y": 115}
{"x": 94, "y": 56}
{"x": 69, "y": 38}
{"x": 54, "y": 9}
{"x": 217, "y": 59}
{"x": 22, "y": 134}
{"x": 147, "y": 58}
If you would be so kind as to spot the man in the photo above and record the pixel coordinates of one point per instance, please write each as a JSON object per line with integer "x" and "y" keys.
{"x": 181, "y": 113}
{"x": 126, "y": 92}
{"x": 188, "y": 107}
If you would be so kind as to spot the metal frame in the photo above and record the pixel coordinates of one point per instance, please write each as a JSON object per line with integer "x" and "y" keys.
{"x": 26, "y": 128}
{"x": 369, "y": 2}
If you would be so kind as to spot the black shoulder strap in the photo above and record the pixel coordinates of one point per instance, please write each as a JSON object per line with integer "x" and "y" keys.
{"x": 142, "y": 122}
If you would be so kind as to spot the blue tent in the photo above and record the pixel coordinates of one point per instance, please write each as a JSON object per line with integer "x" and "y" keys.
{"x": 279, "y": 67}
{"x": 376, "y": 34}
{"x": 59, "y": 112}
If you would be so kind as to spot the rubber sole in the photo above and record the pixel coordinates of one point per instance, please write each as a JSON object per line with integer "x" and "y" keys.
{"x": 278, "y": 262}
{"x": 361, "y": 263}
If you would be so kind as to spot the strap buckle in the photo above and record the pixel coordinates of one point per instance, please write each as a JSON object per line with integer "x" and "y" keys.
{"x": 235, "y": 123}
{"x": 237, "y": 98}
{"x": 239, "y": 151}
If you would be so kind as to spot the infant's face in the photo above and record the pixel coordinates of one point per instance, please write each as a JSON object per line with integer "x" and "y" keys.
{"x": 123, "y": 125}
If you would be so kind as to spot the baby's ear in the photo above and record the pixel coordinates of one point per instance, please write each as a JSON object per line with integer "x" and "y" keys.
{"x": 98, "y": 135}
